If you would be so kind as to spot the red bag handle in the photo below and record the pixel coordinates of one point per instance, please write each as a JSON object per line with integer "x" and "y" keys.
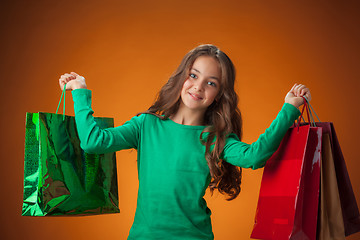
{"x": 305, "y": 106}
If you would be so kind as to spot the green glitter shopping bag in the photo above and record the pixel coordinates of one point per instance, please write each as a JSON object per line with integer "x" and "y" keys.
{"x": 59, "y": 177}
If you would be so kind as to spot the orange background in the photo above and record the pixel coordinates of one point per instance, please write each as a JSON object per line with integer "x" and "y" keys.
{"x": 128, "y": 49}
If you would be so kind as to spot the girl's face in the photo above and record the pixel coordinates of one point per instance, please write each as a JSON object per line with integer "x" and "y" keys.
{"x": 202, "y": 85}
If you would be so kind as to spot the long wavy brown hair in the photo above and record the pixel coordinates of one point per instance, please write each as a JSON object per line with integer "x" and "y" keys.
{"x": 221, "y": 118}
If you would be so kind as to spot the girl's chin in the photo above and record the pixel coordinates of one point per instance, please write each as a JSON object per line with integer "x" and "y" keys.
{"x": 194, "y": 106}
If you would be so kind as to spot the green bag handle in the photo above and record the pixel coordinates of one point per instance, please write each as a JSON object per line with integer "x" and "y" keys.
{"x": 62, "y": 94}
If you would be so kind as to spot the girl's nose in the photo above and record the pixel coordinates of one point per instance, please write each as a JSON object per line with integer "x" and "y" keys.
{"x": 199, "y": 85}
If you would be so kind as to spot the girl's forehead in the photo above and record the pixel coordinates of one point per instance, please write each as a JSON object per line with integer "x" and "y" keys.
{"x": 207, "y": 65}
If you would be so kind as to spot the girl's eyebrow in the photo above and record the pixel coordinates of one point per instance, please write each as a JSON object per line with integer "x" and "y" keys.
{"x": 217, "y": 79}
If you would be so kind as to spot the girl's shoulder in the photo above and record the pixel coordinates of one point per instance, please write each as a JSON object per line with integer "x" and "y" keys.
{"x": 146, "y": 117}
{"x": 142, "y": 118}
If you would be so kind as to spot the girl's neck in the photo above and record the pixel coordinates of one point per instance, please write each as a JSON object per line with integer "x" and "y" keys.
{"x": 185, "y": 116}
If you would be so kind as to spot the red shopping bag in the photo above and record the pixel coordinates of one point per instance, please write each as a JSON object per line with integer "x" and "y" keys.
{"x": 289, "y": 194}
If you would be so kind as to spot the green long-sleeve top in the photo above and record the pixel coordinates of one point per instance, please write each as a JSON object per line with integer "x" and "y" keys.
{"x": 172, "y": 171}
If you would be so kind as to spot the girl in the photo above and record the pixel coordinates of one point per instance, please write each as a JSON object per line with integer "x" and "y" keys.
{"x": 187, "y": 141}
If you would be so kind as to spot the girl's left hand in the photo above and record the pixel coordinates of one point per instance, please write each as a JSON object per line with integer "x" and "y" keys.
{"x": 294, "y": 96}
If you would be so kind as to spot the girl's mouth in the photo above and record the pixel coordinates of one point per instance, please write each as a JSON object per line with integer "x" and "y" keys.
{"x": 195, "y": 96}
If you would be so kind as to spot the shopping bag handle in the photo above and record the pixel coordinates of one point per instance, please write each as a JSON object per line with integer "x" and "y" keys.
{"x": 309, "y": 110}
{"x": 305, "y": 106}
{"x": 62, "y": 94}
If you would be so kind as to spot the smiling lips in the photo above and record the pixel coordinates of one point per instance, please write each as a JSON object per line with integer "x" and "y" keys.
{"x": 195, "y": 96}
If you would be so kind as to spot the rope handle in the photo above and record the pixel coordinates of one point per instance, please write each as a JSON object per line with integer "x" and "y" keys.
{"x": 307, "y": 111}
{"x": 62, "y": 94}
{"x": 310, "y": 110}
{"x": 305, "y": 106}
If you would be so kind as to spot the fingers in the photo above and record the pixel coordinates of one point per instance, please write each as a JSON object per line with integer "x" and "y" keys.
{"x": 300, "y": 90}
{"x": 75, "y": 74}
{"x": 67, "y": 77}
{"x": 292, "y": 89}
{"x": 72, "y": 81}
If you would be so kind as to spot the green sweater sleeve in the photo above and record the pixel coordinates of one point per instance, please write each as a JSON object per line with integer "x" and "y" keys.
{"x": 256, "y": 154}
{"x": 93, "y": 139}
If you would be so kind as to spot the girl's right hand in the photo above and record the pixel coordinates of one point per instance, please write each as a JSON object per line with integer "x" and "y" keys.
{"x": 72, "y": 80}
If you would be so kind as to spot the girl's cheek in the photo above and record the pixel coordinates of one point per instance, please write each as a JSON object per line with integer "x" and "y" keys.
{"x": 187, "y": 84}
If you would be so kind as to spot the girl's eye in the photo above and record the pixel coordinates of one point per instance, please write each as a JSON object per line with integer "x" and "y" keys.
{"x": 192, "y": 75}
{"x": 212, "y": 84}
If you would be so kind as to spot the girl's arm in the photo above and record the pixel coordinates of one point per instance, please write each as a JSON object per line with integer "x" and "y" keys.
{"x": 93, "y": 139}
{"x": 256, "y": 154}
